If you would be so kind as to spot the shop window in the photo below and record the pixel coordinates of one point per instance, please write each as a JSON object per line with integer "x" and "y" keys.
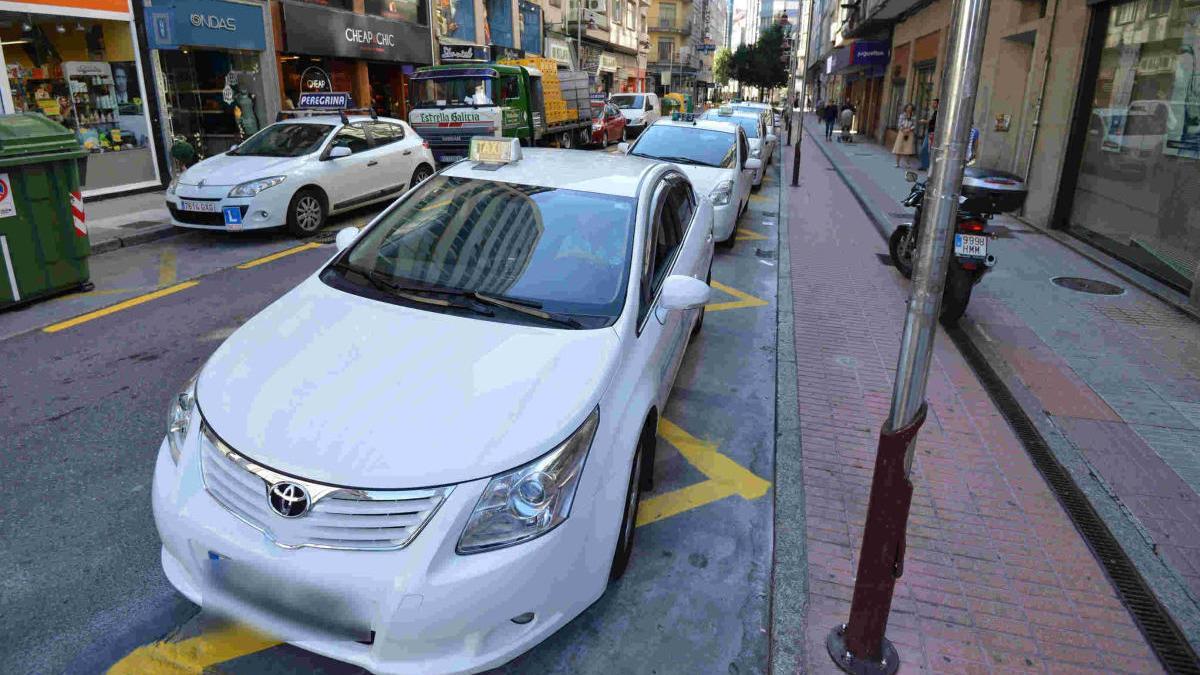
{"x": 895, "y": 103}
{"x": 922, "y": 92}
{"x": 1135, "y": 193}
{"x": 83, "y": 74}
{"x": 213, "y": 99}
{"x": 351, "y": 136}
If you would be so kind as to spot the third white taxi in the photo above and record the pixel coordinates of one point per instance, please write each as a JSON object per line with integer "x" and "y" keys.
{"x": 715, "y": 155}
{"x": 427, "y": 457}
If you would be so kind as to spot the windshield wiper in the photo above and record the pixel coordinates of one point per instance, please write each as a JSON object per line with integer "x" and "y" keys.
{"x": 380, "y": 282}
{"x": 683, "y": 160}
{"x": 528, "y": 307}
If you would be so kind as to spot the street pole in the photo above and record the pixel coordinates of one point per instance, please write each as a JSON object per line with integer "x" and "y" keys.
{"x": 579, "y": 35}
{"x": 805, "y": 29}
{"x": 859, "y": 646}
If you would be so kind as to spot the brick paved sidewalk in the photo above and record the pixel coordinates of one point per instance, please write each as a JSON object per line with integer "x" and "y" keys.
{"x": 1112, "y": 381}
{"x": 996, "y": 577}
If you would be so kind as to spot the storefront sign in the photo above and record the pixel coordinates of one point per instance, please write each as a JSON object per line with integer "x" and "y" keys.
{"x": 120, "y": 6}
{"x": 311, "y": 29}
{"x": 462, "y": 53}
{"x": 501, "y": 53}
{"x": 559, "y": 51}
{"x": 205, "y": 23}
{"x": 321, "y": 99}
{"x": 608, "y": 63}
{"x": 870, "y": 53}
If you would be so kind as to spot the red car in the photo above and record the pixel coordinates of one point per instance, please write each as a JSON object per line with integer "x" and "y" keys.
{"x": 608, "y": 126}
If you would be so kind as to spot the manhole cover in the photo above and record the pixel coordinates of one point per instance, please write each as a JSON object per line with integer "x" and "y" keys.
{"x": 1088, "y": 285}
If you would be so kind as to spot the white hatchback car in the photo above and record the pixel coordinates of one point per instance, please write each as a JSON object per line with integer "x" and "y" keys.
{"x": 761, "y": 142}
{"x": 716, "y": 158}
{"x": 297, "y": 172}
{"x": 427, "y": 457}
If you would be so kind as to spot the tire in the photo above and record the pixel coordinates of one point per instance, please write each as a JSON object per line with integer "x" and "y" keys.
{"x": 956, "y": 295}
{"x": 624, "y": 135}
{"x": 604, "y": 143}
{"x": 700, "y": 319}
{"x": 419, "y": 174}
{"x": 729, "y": 242}
{"x": 900, "y": 248}
{"x": 306, "y": 213}
{"x": 628, "y": 516}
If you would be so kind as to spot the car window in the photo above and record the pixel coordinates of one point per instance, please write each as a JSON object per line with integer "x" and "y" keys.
{"x": 749, "y": 124}
{"x": 383, "y": 133}
{"x": 686, "y": 144}
{"x": 284, "y": 140}
{"x": 506, "y": 240}
{"x": 509, "y": 88}
{"x": 351, "y": 136}
{"x": 743, "y": 147}
{"x": 628, "y": 100}
{"x": 665, "y": 238}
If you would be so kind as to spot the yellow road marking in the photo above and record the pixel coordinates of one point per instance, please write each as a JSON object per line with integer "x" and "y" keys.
{"x": 195, "y": 654}
{"x": 744, "y": 234}
{"x": 743, "y": 299}
{"x": 725, "y": 478}
{"x": 166, "y": 268}
{"x": 113, "y": 309}
{"x": 276, "y": 256}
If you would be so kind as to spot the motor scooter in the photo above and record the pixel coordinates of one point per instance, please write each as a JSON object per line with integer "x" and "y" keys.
{"x": 985, "y": 193}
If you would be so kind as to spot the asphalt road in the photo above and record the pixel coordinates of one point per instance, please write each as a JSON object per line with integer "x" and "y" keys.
{"x": 84, "y": 412}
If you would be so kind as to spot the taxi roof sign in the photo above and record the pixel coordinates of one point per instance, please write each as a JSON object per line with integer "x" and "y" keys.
{"x": 677, "y": 116}
{"x": 725, "y": 110}
{"x": 493, "y": 153}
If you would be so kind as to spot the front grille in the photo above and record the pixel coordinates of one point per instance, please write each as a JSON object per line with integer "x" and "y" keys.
{"x": 200, "y": 218}
{"x": 339, "y": 517}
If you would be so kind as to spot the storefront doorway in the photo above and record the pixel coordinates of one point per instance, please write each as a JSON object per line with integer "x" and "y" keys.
{"x": 84, "y": 73}
{"x": 389, "y": 89}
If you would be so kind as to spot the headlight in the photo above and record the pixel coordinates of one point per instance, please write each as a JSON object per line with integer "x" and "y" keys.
{"x": 172, "y": 185}
{"x": 721, "y": 193}
{"x": 531, "y": 500}
{"x": 255, "y": 186}
{"x": 179, "y": 417}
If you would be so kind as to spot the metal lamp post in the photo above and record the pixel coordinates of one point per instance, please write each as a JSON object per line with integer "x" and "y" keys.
{"x": 859, "y": 646}
{"x": 804, "y": 28}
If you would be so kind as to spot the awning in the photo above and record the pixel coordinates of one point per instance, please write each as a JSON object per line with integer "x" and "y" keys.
{"x": 859, "y": 55}
{"x": 457, "y": 72}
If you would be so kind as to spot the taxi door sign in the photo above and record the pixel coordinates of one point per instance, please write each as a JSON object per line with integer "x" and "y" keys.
{"x": 233, "y": 217}
{"x": 8, "y": 207}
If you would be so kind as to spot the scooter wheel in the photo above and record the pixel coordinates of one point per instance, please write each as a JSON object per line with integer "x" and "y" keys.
{"x": 900, "y": 248}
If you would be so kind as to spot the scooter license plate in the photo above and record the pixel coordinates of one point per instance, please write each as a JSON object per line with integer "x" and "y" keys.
{"x": 970, "y": 245}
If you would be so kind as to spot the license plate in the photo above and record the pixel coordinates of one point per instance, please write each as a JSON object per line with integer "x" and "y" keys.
{"x": 451, "y": 158}
{"x": 201, "y": 207}
{"x": 970, "y": 245}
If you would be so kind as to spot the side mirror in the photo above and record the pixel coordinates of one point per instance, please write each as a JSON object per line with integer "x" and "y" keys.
{"x": 910, "y": 176}
{"x": 623, "y": 147}
{"x": 345, "y": 237}
{"x": 232, "y": 147}
{"x": 771, "y": 138}
{"x": 753, "y": 164}
{"x": 683, "y": 292}
{"x": 339, "y": 151}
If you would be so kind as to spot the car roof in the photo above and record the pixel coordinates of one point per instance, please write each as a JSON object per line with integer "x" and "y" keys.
{"x": 710, "y": 114}
{"x": 599, "y": 172}
{"x": 335, "y": 119}
{"x": 713, "y": 125}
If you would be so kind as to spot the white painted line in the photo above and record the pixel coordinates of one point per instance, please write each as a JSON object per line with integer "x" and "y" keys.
{"x": 12, "y": 277}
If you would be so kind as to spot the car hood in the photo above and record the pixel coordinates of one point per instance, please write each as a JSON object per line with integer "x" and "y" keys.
{"x": 633, "y": 115}
{"x": 335, "y": 388}
{"x": 705, "y": 178}
{"x": 225, "y": 169}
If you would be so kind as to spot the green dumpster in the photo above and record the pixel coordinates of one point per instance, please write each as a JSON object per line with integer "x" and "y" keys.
{"x": 43, "y": 237}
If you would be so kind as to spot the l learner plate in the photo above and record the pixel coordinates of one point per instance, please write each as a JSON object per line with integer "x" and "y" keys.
{"x": 971, "y": 245}
{"x": 202, "y": 207}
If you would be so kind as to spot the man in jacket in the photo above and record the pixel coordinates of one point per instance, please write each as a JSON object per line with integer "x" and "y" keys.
{"x": 830, "y": 116}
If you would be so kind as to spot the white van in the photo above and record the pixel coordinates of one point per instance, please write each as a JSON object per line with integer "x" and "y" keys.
{"x": 640, "y": 110}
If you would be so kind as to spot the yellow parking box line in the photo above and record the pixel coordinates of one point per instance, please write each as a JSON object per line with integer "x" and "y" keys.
{"x": 166, "y": 268}
{"x": 676, "y": 502}
{"x": 743, "y": 234}
{"x": 123, "y": 305}
{"x": 281, "y": 254}
{"x": 704, "y": 456}
{"x": 195, "y": 654}
{"x": 743, "y": 299}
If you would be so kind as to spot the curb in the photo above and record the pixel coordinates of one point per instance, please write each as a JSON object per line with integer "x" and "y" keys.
{"x": 1164, "y": 583}
{"x": 789, "y": 555}
{"x": 145, "y": 236}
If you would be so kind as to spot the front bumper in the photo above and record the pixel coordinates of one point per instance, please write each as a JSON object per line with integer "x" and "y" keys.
{"x": 424, "y": 608}
{"x": 266, "y": 209}
{"x": 725, "y": 220}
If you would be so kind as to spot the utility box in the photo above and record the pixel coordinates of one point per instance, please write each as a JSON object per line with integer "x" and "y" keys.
{"x": 44, "y": 243}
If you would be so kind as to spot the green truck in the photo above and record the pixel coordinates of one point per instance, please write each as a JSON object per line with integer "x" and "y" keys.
{"x": 452, "y": 104}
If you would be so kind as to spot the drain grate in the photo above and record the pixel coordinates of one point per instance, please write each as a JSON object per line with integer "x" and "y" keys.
{"x": 884, "y": 259}
{"x": 1156, "y": 625}
{"x": 1145, "y": 316}
{"x": 1093, "y": 286}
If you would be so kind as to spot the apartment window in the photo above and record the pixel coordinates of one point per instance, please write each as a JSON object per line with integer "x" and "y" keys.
{"x": 631, "y": 12}
{"x": 1158, "y": 7}
{"x": 665, "y": 50}
{"x": 617, "y": 12}
{"x": 666, "y": 15}
{"x": 1125, "y": 13}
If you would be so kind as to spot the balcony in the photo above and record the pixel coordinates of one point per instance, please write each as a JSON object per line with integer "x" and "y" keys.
{"x": 668, "y": 26}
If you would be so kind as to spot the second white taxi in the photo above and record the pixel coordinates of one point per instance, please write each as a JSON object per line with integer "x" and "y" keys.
{"x": 427, "y": 457}
{"x": 761, "y": 142}
{"x": 715, "y": 155}
{"x": 297, "y": 172}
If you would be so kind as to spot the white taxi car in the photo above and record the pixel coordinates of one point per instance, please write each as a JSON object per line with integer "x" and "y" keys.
{"x": 427, "y": 457}
{"x": 297, "y": 172}
{"x": 761, "y": 142}
{"x": 716, "y": 158}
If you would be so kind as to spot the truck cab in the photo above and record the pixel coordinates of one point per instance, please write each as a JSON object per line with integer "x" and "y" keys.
{"x": 453, "y": 104}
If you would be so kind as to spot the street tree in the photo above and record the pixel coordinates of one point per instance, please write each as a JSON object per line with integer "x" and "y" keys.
{"x": 769, "y": 59}
{"x": 722, "y": 66}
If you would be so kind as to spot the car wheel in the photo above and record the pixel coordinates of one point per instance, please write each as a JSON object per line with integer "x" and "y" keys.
{"x": 624, "y": 135}
{"x": 728, "y": 242}
{"x": 629, "y": 515}
{"x": 420, "y": 174}
{"x": 700, "y": 319}
{"x": 566, "y": 141}
{"x": 604, "y": 143}
{"x": 306, "y": 213}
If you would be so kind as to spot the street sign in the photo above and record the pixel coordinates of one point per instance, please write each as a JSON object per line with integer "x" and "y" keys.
{"x": 322, "y": 99}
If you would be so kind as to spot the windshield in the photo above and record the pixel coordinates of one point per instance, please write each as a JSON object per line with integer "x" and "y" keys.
{"x": 564, "y": 250}
{"x": 284, "y": 140}
{"x": 628, "y": 101}
{"x": 687, "y": 144}
{"x": 456, "y": 91}
{"x": 748, "y": 124}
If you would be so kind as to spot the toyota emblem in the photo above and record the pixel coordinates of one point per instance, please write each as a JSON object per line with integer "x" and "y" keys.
{"x": 288, "y": 499}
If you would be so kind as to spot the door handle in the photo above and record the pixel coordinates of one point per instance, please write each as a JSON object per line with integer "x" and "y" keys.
{"x": 372, "y": 162}
{"x": 407, "y": 152}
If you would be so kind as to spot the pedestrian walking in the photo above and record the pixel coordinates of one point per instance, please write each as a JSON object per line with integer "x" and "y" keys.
{"x": 927, "y": 141}
{"x": 906, "y": 136}
{"x": 847, "y": 120}
{"x": 830, "y": 116}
